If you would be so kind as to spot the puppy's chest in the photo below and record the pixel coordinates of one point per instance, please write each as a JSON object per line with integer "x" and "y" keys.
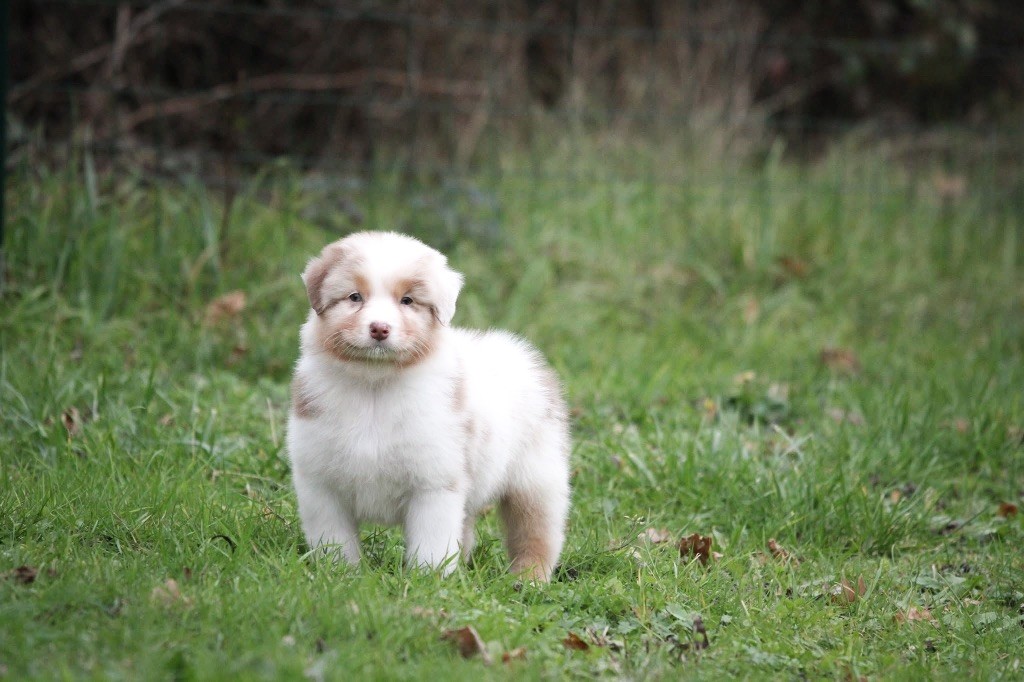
{"x": 385, "y": 441}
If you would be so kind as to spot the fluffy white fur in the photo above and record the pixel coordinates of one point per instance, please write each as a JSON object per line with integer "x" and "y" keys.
{"x": 398, "y": 418}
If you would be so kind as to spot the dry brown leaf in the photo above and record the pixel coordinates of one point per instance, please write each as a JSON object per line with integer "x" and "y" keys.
{"x": 72, "y": 420}
{"x": 517, "y": 654}
{"x": 845, "y": 593}
{"x": 166, "y": 420}
{"x": 697, "y": 545}
{"x": 169, "y": 594}
{"x": 1015, "y": 434}
{"x": 950, "y": 187}
{"x": 751, "y": 310}
{"x": 779, "y": 553}
{"x": 744, "y": 378}
{"x": 961, "y": 425}
{"x": 698, "y": 629}
{"x": 225, "y": 307}
{"x": 1007, "y": 509}
{"x": 573, "y": 641}
{"x": 840, "y": 360}
{"x": 794, "y": 266}
{"x": 913, "y": 614}
{"x": 23, "y": 575}
{"x": 469, "y": 643}
{"x": 655, "y": 536}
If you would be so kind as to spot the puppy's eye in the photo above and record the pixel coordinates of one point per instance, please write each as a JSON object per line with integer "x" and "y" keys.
{"x": 355, "y": 297}
{"x": 406, "y": 300}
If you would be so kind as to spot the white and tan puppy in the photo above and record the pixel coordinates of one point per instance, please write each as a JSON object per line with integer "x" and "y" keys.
{"x": 398, "y": 418}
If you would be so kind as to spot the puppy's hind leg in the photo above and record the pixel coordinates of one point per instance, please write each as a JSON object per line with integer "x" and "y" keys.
{"x": 468, "y": 537}
{"x": 535, "y": 526}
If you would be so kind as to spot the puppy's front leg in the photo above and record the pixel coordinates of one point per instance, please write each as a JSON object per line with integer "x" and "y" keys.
{"x": 433, "y": 525}
{"x": 326, "y": 522}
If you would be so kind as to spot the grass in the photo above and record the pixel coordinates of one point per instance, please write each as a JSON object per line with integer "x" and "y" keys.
{"x": 142, "y": 437}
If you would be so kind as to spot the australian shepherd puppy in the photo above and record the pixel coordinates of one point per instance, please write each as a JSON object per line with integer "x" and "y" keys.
{"x": 399, "y": 418}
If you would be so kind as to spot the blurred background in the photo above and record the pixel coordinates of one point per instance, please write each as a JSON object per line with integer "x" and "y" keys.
{"x": 435, "y": 90}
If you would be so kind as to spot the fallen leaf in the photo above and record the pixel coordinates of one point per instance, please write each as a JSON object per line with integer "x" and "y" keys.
{"x": 225, "y": 307}
{"x": 71, "y": 418}
{"x": 846, "y": 593}
{"x": 779, "y": 553}
{"x": 169, "y": 594}
{"x": 573, "y": 641}
{"x": 1007, "y": 509}
{"x": 751, "y": 310}
{"x": 469, "y": 643}
{"x": 238, "y": 352}
{"x": 913, "y": 614}
{"x": 961, "y": 425}
{"x": 1015, "y": 434}
{"x": 794, "y": 266}
{"x": 517, "y": 654}
{"x": 698, "y": 629}
{"x": 697, "y": 545}
{"x": 166, "y": 420}
{"x": 709, "y": 408}
{"x": 744, "y": 378}
{"x": 655, "y": 536}
{"x": 24, "y": 575}
{"x": 840, "y": 360}
{"x": 950, "y": 187}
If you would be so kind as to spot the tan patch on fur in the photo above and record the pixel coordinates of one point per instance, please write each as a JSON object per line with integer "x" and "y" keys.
{"x": 418, "y": 288}
{"x": 317, "y": 271}
{"x": 303, "y": 403}
{"x": 333, "y": 258}
{"x": 471, "y": 444}
{"x": 332, "y": 336}
{"x": 528, "y": 529}
{"x": 414, "y": 287}
{"x": 459, "y": 394}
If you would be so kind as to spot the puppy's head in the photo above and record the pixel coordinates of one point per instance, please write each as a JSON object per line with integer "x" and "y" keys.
{"x": 380, "y": 297}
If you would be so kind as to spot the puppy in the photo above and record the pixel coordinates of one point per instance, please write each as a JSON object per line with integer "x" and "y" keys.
{"x": 397, "y": 418}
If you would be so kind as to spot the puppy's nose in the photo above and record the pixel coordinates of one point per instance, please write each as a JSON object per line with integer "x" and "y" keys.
{"x": 380, "y": 330}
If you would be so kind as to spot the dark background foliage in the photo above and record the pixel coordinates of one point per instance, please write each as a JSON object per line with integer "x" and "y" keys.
{"x": 259, "y": 79}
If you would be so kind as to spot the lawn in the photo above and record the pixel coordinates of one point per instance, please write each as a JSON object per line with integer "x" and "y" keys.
{"x": 817, "y": 367}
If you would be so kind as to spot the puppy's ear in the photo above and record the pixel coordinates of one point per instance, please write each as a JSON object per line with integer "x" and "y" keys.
{"x": 316, "y": 272}
{"x": 448, "y": 284}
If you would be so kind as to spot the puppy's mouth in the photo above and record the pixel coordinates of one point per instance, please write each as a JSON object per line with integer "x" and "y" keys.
{"x": 379, "y": 351}
{"x": 371, "y": 351}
